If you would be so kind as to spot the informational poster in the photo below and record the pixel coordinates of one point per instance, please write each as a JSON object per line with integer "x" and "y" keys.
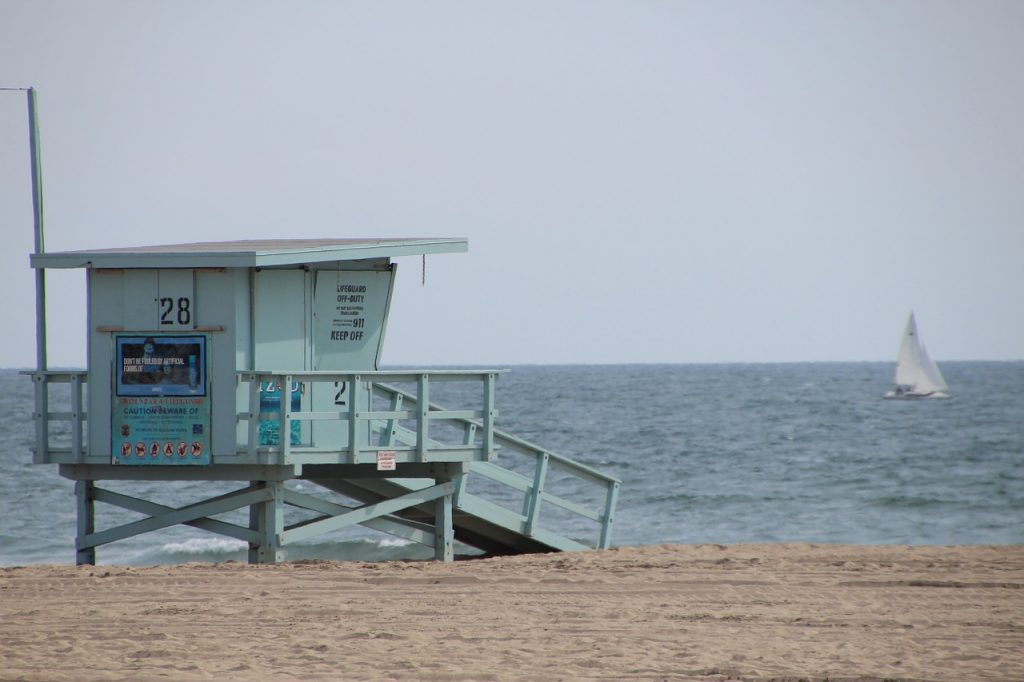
{"x": 270, "y": 403}
{"x": 161, "y": 403}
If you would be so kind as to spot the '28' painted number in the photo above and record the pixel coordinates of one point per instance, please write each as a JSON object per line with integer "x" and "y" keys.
{"x": 176, "y": 314}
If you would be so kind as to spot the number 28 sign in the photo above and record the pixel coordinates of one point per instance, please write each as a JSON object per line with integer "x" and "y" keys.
{"x": 175, "y": 300}
{"x": 175, "y": 312}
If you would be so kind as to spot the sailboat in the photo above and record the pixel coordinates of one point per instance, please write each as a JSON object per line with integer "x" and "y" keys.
{"x": 917, "y": 375}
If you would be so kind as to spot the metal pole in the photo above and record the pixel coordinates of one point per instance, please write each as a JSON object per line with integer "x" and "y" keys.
{"x": 42, "y": 393}
{"x": 37, "y": 214}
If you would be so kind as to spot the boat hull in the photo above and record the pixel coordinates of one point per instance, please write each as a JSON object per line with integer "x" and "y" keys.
{"x": 893, "y": 395}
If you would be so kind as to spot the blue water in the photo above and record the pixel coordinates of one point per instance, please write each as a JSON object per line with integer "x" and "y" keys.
{"x": 706, "y": 453}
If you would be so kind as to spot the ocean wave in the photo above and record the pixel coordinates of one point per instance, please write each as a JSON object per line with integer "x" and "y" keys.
{"x": 194, "y": 546}
{"x": 392, "y": 542}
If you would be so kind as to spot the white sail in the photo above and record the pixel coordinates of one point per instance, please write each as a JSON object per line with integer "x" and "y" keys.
{"x": 934, "y": 381}
{"x": 908, "y": 361}
{"x": 917, "y": 375}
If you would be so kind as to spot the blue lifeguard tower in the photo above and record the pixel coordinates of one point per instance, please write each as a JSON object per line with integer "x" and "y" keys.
{"x": 259, "y": 362}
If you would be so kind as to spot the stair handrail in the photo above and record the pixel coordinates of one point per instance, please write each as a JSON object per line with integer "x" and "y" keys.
{"x": 543, "y": 457}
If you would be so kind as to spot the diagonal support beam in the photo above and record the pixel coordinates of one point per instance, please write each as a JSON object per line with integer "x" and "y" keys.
{"x": 153, "y": 509}
{"x": 367, "y": 512}
{"x": 414, "y": 531}
{"x": 192, "y": 512}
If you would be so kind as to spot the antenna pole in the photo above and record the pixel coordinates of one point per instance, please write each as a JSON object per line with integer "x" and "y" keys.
{"x": 37, "y": 214}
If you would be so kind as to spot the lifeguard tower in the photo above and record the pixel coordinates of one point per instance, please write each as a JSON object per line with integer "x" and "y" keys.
{"x": 259, "y": 362}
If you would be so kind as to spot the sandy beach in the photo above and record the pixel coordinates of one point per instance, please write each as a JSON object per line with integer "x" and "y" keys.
{"x": 707, "y": 612}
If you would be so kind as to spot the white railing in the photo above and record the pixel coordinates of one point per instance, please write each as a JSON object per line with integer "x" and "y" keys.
{"x": 67, "y": 426}
{"x": 379, "y": 417}
{"x": 369, "y": 425}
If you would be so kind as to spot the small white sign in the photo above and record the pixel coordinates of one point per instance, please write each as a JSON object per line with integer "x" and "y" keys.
{"x": 386, "y": 460}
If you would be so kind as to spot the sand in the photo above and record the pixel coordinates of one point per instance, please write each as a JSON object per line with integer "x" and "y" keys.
{"x": 707, "y": 612}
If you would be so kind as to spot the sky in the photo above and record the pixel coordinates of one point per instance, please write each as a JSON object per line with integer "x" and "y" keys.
{"x": 639, "y": 181}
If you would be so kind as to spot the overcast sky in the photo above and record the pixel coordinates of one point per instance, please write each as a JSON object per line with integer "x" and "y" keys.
{"x": 638, "y": 181}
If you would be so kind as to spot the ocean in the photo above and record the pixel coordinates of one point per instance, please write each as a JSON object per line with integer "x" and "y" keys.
{"x": 729, "y": 453}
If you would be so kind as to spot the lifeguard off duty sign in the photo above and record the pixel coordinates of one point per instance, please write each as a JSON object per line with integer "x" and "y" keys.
{"x": 349, "y": 308}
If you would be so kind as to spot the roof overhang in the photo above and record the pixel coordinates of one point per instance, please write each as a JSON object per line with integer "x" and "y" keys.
{"x": 247, "y": 254}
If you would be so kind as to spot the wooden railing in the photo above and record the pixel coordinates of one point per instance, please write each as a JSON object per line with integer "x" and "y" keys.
{"x": 382, "y": 418}
{"x": 66, "y": 426}
{"x": 370, "y": 425}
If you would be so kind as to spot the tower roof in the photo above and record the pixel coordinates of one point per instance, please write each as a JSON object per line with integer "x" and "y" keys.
{"x": 247, "y": 253}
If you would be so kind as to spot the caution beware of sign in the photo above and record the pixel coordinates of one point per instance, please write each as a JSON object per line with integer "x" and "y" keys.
{"x": 386, "y": 460}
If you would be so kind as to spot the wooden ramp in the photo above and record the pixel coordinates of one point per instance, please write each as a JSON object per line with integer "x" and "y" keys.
{"x": 477, "y": 522}
{"x": 529, "y": 500}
